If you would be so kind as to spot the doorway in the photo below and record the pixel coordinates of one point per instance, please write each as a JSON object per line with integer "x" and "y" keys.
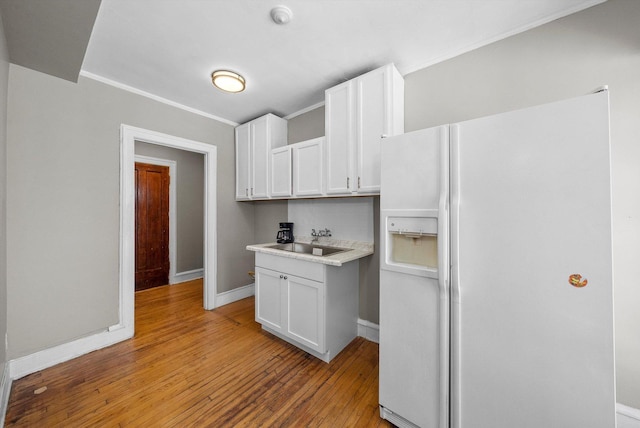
{"x": 129, "y": 135}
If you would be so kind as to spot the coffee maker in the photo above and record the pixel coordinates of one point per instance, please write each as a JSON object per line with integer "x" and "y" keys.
{"x": 285, "y": 234}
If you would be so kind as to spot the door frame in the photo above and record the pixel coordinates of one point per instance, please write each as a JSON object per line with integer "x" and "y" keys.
{"x": 173, "y": 165}
{"x": 128, "y": 136}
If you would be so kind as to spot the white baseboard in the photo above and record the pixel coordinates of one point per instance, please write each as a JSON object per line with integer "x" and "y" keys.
{"x": 5, "y": 390}
{"x": 41, "y": 360}
{"x": 369, "y": 330}
{"x": 628, "y": 417}
{"x": 234, "y": 295}
{"x": 188, "y": 275}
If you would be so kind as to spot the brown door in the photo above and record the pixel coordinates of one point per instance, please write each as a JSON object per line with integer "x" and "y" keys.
{"x": 152, "y": 225}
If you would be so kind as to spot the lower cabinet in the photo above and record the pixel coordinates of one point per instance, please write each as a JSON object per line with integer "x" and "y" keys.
{"x": 310, "y": 305}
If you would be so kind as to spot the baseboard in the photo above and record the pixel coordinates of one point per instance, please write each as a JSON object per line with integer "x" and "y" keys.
{"x": 234, "y": 295}
{"x": 188, "y": 275}
{"x": 5, "y": 390}
{"x": 369, "y": 330}
{"x": 628, "y": 417}
{"x": 41, "y": 360}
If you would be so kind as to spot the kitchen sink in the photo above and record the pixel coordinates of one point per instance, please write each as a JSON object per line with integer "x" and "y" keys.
{"x": 316, "y": 250}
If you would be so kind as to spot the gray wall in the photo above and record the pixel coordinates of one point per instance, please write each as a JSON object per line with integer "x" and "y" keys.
{"x": 4, "y": 82}
{"x": 189, "y": 183}
{"x": 563, "y": 59}
{"x": 306, "y": 126}
{"x": 62, "y": 203}
{"x": 267, "y": 216}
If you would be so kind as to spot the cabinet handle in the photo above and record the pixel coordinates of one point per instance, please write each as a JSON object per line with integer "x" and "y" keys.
{"x": 358, "y": 182}
{"x": 383, "y": 136}
{"x": 252, "y": 191}
{"x": 347, "y": 182}
{"x": 246, "y": 192}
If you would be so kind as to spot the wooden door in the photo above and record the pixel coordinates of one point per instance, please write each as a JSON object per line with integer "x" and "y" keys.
{"x": 152, "y": 225}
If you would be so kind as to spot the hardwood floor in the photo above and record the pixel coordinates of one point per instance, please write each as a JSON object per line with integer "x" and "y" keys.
{"x": 191, "y": 367}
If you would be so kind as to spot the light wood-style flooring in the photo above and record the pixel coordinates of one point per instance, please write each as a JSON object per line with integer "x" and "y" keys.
{"x": 189, "y": 367}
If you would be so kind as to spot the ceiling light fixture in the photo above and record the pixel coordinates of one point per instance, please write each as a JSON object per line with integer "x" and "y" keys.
{"x": 228, "y": 81}
{"x": 281, "y": 15}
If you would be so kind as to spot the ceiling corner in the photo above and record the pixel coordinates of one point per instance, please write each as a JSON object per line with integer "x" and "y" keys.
{"x": 49, "y": 36}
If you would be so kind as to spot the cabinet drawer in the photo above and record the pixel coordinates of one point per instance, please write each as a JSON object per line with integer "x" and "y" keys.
{"x": 301, "y": 268}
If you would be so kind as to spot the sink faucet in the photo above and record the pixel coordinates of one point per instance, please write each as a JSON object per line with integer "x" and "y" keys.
{"x": 318, "y": 234}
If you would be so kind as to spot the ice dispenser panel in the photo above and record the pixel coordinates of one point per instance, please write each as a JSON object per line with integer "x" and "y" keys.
{"x": 413, "y": 241}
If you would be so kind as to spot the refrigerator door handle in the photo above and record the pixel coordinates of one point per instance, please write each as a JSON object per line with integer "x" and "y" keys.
{"x": 443, "y": 274}
{"x": 455, "y": 286}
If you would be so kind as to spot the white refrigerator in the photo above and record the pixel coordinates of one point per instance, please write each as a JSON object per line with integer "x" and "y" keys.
{"x": 496, "y": 303}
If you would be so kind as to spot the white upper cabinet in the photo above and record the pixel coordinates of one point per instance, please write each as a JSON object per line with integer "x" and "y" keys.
{"x": 254, "y": 141}
{"x": 358, "y": 113}
{"x": 308, "y": 168}
{"x": 281, "y": 172}
{"x": 346, "y": 162}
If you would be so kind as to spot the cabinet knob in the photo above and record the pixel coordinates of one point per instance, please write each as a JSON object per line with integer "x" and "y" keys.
{"x": 285, "y": 277}
{"x": 281, "y": 276}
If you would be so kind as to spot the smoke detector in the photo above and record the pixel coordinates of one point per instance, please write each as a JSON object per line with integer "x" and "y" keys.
{"x": 281, "y": 15}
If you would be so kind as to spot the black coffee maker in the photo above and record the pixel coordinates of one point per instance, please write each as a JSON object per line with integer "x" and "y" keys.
{"x": 285, "y": 234}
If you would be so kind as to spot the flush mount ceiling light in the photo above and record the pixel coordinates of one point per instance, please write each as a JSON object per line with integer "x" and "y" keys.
{"x": 228, "y": 81}
{"x": 281, "y": 15}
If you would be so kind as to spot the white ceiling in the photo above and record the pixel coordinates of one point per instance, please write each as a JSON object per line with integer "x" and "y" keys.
{"x": 168, "y": 48}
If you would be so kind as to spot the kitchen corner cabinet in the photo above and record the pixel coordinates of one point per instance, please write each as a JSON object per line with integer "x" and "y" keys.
{"x": 358, "y": 113}
{"x": 308, "y": 168}
{"x": 254, "y": 141}
{"x": 311, "y": 305}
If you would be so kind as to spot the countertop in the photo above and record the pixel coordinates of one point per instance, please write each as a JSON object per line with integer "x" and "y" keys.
{"x": 357, "y": 250}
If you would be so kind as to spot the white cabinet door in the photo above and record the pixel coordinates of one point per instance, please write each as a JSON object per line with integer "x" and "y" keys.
{"x": 270, "y": 299}
{"x": 306, "y": 317}
{"x": 339, "y": 132}
{"x": 281, "y": 172}
{"x": 260, "y": 159}
{"x": 243, "y": 160}
{"x": 372, "y": 124}
{"x": 308, "y": 168}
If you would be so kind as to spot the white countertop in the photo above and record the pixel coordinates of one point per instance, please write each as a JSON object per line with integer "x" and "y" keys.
{"x": 357, "y": 250}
